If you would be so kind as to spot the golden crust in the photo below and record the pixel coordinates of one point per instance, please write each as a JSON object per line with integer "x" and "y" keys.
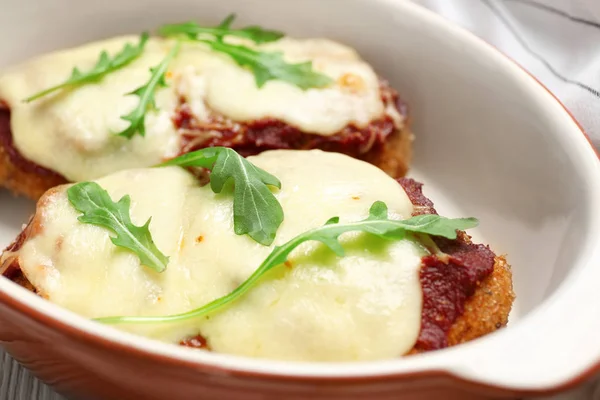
{"x": 22, "y": 182}
{"x": 487, "y": 310}
{"x": 395, "y": 154}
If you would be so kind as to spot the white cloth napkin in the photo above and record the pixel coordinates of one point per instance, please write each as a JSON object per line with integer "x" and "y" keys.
{"x": 556, "y": 40}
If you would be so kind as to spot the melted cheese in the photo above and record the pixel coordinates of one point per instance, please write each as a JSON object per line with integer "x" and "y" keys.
{"x": 72, "y": 131}
{"x": 320, "y": 307}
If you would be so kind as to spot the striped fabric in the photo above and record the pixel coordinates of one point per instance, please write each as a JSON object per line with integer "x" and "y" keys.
{"x": 556, "y": 40}
{"x": 16, "y": 383}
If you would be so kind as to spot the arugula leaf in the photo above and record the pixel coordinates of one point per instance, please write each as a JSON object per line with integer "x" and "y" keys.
{"x": 98, "y": 209}
{"x": 268, "y": 66}
{"x": 192, "y": 30}
{"x": 256, "y": 211}
{"x": 137, "y": 117}
{"x": 377, "y": 224}
{"x": 103, "y": 66}
{"x": 226, "y": 23}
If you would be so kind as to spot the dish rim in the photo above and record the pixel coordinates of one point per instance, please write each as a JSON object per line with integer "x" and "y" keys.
{"x": 89, "y": 333}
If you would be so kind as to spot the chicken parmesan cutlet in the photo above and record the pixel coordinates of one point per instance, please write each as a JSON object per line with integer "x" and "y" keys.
{"x": 287, "y": 255}
{"x": 132, "y": 102}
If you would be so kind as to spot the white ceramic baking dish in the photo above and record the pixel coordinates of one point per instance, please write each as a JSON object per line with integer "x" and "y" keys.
{"x": 490, "y": 142}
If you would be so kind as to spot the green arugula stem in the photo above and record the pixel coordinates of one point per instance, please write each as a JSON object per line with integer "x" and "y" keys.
{"x": 47, "y": 91}
{"x": 104, "y": 65}
{"x": 377, "y": 223}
